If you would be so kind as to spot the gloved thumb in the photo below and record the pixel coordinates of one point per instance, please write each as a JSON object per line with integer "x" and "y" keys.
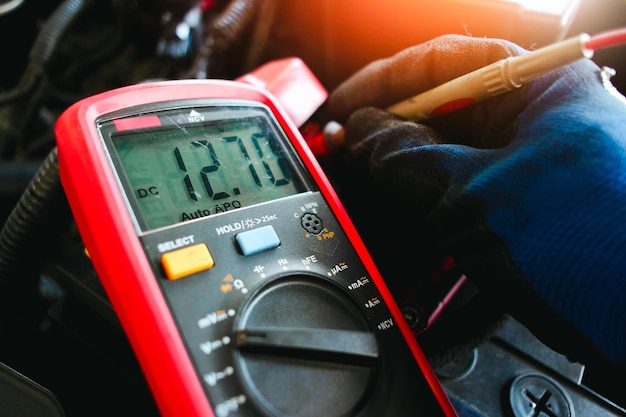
{"x": 414, "y": 70}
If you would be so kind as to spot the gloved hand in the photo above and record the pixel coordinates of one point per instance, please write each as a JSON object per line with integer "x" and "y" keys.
{"x": 527, "y": 191}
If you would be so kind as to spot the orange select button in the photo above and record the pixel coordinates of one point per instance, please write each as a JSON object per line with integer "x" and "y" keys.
{"x": 186, "y": 261}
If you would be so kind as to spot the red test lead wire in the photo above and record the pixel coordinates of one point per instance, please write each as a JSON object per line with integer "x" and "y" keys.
{"x": 607, "y": 39}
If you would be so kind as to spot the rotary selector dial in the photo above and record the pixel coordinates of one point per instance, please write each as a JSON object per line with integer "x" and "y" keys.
{"x": 304, "y": 349}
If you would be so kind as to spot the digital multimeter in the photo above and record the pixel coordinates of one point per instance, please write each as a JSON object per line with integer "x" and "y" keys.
{"x": 236, "y": 273}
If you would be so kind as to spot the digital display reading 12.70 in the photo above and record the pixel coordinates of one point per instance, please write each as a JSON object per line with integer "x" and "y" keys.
{"x": 179, "y": 173}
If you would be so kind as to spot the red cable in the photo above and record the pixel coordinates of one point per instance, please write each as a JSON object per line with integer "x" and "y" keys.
{"x": 606, "y": 39}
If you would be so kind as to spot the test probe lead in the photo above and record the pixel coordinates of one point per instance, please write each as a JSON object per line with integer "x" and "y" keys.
{"x": 483, "y": 83}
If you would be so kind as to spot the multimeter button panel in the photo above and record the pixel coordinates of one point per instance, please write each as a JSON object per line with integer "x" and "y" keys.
{"x": 257, "y": 240}
{"x": 264, "y": 330}
{"x": 182, "y": 262}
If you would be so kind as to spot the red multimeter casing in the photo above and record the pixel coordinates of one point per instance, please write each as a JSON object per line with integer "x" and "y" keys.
{"x": 236, "y": 273}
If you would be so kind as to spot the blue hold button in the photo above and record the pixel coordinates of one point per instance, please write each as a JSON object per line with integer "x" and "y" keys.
{"x": 257, "y": 240}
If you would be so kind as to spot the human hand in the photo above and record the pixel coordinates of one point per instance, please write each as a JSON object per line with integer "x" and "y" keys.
{"x": 527, "y": 191}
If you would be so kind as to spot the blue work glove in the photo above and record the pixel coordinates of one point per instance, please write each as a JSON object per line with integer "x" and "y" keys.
{"x": 526, "y": 191}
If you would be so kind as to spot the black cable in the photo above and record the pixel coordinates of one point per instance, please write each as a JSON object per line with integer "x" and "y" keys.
{"x": 226, "y": 29}
{"x": 43, "y": 48}
{"x": 33, "y": 227}
{"x": 26, "y": 95}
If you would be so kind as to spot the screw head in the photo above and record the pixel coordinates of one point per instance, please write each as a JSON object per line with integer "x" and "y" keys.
{"x": 533, "y": 394}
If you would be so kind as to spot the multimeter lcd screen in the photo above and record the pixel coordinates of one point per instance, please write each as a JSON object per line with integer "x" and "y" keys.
{"x": 183, "y": 172}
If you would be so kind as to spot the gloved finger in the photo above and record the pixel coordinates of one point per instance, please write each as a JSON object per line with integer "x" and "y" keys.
{"x": 414, "y": 70}
{"x": 385, "y": 139}
{"x": 374, "y": 132}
